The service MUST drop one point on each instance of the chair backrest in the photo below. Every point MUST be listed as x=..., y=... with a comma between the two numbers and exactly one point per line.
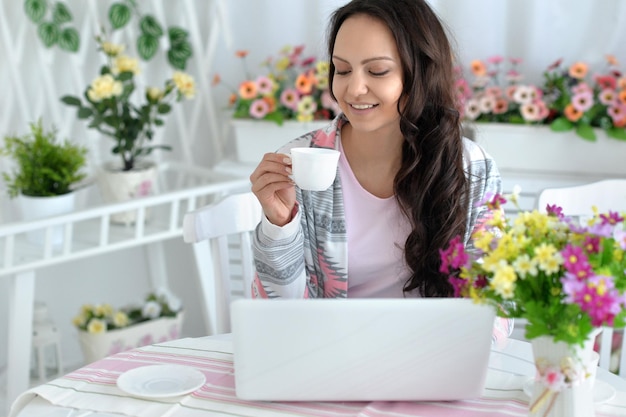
x=220, y=233
x=578, y=200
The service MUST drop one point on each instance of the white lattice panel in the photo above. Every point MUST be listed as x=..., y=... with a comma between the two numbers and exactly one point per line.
x=34, y=78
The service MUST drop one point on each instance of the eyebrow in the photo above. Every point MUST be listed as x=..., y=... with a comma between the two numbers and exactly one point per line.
x=365, y=61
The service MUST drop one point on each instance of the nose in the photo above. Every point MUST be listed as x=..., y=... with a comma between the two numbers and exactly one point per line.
x=357, y=84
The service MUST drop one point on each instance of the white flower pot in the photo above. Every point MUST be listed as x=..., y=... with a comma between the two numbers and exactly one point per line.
x=101, y=345
x=119, y=186
x=254, y=138
x=538, y=149
x=33, y=208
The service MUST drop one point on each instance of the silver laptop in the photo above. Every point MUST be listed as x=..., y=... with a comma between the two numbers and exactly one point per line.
x=360, y=349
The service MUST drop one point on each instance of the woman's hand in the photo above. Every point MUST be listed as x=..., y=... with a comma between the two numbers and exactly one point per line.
x=273, y=188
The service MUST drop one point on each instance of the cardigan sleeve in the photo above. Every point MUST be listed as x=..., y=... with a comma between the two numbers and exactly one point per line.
x=279, y=260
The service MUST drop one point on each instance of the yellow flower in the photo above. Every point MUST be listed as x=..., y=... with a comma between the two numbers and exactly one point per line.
x=548, y=258
x=503, y=281
x=112, y=49
x=86, y=309
x=282, y=64
x=120, y=319
x=154, y=94
x=125, y=63
x=497, y=219
x=524, y=266
x=303, y=117
x=79, y=321
x=185, y=84
x=104, y=87
x=97, y=326
x=307, y=106
x=482, y=240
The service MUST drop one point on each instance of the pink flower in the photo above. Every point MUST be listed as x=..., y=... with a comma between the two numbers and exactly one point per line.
x=264, y=85
x=583, y=101
x=290, y=98
x=259, y=108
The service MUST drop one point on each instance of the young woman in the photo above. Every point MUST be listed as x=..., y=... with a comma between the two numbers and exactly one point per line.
x=407, y=181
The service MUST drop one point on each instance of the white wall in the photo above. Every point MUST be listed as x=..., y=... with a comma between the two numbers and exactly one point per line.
x=33, y=79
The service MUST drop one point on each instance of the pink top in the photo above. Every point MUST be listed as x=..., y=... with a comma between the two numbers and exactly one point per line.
x=377, y=231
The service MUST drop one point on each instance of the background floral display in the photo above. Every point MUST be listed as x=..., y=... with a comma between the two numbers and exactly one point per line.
x=291, y=87
x=569, y=98
x=100, y=318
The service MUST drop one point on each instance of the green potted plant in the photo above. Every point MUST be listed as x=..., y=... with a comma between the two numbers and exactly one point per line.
x=46, y=172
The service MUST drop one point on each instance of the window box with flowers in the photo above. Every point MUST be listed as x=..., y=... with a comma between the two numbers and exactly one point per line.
x=572, y=123
x=291, y=97
x=564, y=276
x=105, y=331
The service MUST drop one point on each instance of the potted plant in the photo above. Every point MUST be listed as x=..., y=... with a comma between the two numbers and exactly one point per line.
x=104, y=330
x=45, y=175
x=564, y=276
x=110, y=104
x=291, y=96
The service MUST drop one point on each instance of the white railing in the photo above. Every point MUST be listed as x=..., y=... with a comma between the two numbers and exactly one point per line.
x=89, y=232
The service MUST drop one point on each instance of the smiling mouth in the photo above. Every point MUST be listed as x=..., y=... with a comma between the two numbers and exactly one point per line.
x=363, y=106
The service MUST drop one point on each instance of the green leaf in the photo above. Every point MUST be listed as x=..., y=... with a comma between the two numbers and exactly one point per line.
x=35, y=9
x=617, y=133
x=561, y=124
x=164, y=108
x=182, y=50
x=61, y=14
x=71, y=100
x=177, y=35
x=176, y=62
x=48, y=33
x=84, y=113
x=150, y=26
x=147, y=46
x=69, y=40
x=586, y=132
x=125, y=76
x=119, y=15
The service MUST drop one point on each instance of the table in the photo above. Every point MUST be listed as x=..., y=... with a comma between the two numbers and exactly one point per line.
x=91, y=390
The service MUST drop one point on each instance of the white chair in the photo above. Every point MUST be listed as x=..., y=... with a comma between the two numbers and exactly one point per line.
x=578, y=200
x=220, y=233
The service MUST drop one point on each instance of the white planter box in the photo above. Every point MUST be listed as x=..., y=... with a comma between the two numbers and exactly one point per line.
x=99, y=346
x=538, y=149
x=254, y=138
x=535, y=158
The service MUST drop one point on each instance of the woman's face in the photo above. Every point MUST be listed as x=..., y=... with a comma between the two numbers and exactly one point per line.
x=368, y=74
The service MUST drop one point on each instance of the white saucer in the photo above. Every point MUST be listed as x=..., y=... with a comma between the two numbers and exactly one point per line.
x=602, y=392
x=160, y=381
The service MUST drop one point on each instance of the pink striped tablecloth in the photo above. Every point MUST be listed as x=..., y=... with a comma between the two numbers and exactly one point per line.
x=93, y=388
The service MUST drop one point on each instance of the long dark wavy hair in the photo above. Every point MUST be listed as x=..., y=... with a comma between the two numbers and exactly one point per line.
x=430, y=187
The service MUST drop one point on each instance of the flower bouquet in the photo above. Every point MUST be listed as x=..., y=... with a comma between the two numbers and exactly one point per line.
x=292, y=87
x=565, y=276
x=104, y=330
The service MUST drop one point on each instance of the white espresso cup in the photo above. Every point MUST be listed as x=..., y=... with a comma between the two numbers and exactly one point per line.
x=314, y=169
